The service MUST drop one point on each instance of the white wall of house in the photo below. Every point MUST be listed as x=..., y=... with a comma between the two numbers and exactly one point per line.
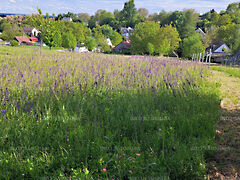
x=109, y=42
x=35, y=32
x=81, y=49
x=221, y=48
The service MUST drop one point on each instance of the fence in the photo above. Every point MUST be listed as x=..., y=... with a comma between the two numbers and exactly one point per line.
x=204, y=57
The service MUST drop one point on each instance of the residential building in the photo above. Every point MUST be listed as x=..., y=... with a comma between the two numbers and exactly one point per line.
x=31, y=31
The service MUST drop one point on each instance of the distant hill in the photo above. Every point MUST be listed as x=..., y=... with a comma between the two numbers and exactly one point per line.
x=7, y=14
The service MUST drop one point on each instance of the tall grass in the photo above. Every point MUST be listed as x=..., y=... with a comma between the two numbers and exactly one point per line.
x=99, y=116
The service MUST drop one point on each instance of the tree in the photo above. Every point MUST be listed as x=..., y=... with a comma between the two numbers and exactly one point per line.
x=128, y=15
x=171, y=35
x=69, y=40
x=143, y=13
x=90, y=43
x=54, y=16
x=10, y=30
x=108, y=32
x=230, y=34
x=192, y=45
x=150, y=48
x=14, y=43
x=50, y=33
x=92, y=22
x=84, y=17
x=188, y=26
x=57, y=39
x=101, y=40
x=233, y=10
x=224, y=20
x=165, y=39
x=116, y=38
x=144, y=33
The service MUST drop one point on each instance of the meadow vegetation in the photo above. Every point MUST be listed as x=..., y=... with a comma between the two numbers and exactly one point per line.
x=233, y=71
x=100, y=116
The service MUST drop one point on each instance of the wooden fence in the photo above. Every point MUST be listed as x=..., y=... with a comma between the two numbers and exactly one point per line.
x=204, y=57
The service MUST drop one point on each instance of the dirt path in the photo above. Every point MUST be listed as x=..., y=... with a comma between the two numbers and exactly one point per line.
x=225, y=164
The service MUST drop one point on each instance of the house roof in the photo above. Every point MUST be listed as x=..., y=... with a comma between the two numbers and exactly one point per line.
x=200, y=31
x=215, y=45
x=21, y=39
x=127, y=43
x=124, y=45
x=33, y=38
x=28, y=29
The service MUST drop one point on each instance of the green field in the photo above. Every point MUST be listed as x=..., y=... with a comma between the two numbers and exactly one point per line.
x=233, y=71
x=93, y=116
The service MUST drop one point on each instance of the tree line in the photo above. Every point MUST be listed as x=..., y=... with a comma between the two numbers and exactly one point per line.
x=162, y=33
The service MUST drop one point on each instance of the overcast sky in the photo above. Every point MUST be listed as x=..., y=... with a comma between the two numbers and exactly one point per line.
x=91, y=6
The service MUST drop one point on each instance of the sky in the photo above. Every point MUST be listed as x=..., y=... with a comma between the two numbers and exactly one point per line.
x=91, y=6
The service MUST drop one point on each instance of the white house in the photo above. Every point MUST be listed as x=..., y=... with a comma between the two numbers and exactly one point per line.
x=127, y=31
x=109, y=42
x=81, y=49
x=218, y=47
x=31, y=31
x=67, y=19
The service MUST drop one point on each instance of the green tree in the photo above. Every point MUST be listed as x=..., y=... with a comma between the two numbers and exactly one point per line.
x=230, y=34
x=116, y=38
x=128, y=15
x=192, y=45
x=165, y=39
x=50, y=33
x=150, y=48
x=92, y=22
x=171, y=35
x=57, y=39
x=69, y=40
x=224, y=20
x=14, y=43
x=233, y=10
x=54, y=16
x=36, y=20
x=143, y=13
x=84, y=17
x=188, y=26
x=146, y=32
x=10, y=30
x=101, y=41
x=90, y=43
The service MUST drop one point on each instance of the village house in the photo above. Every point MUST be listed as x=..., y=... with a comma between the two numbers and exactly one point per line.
x=67, y=19
x=220, y=51
x=23, y=40
x=33, y=39
x=126, y=32
x=124, y=46
x=109, y=43
x=31, y=31
x=218, y=47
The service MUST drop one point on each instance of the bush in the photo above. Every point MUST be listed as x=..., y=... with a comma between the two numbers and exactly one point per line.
x=14, y=43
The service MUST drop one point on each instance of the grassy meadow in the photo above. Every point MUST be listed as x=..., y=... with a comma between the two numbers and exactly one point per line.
x=95, y=116
x=233, y=71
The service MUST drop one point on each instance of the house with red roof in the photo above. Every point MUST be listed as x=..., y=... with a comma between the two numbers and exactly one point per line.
x=124, y=46
x=33, y=39
x=23, y=40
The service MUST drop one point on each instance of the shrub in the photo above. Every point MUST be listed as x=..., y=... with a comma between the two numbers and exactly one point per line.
x=14, y=43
